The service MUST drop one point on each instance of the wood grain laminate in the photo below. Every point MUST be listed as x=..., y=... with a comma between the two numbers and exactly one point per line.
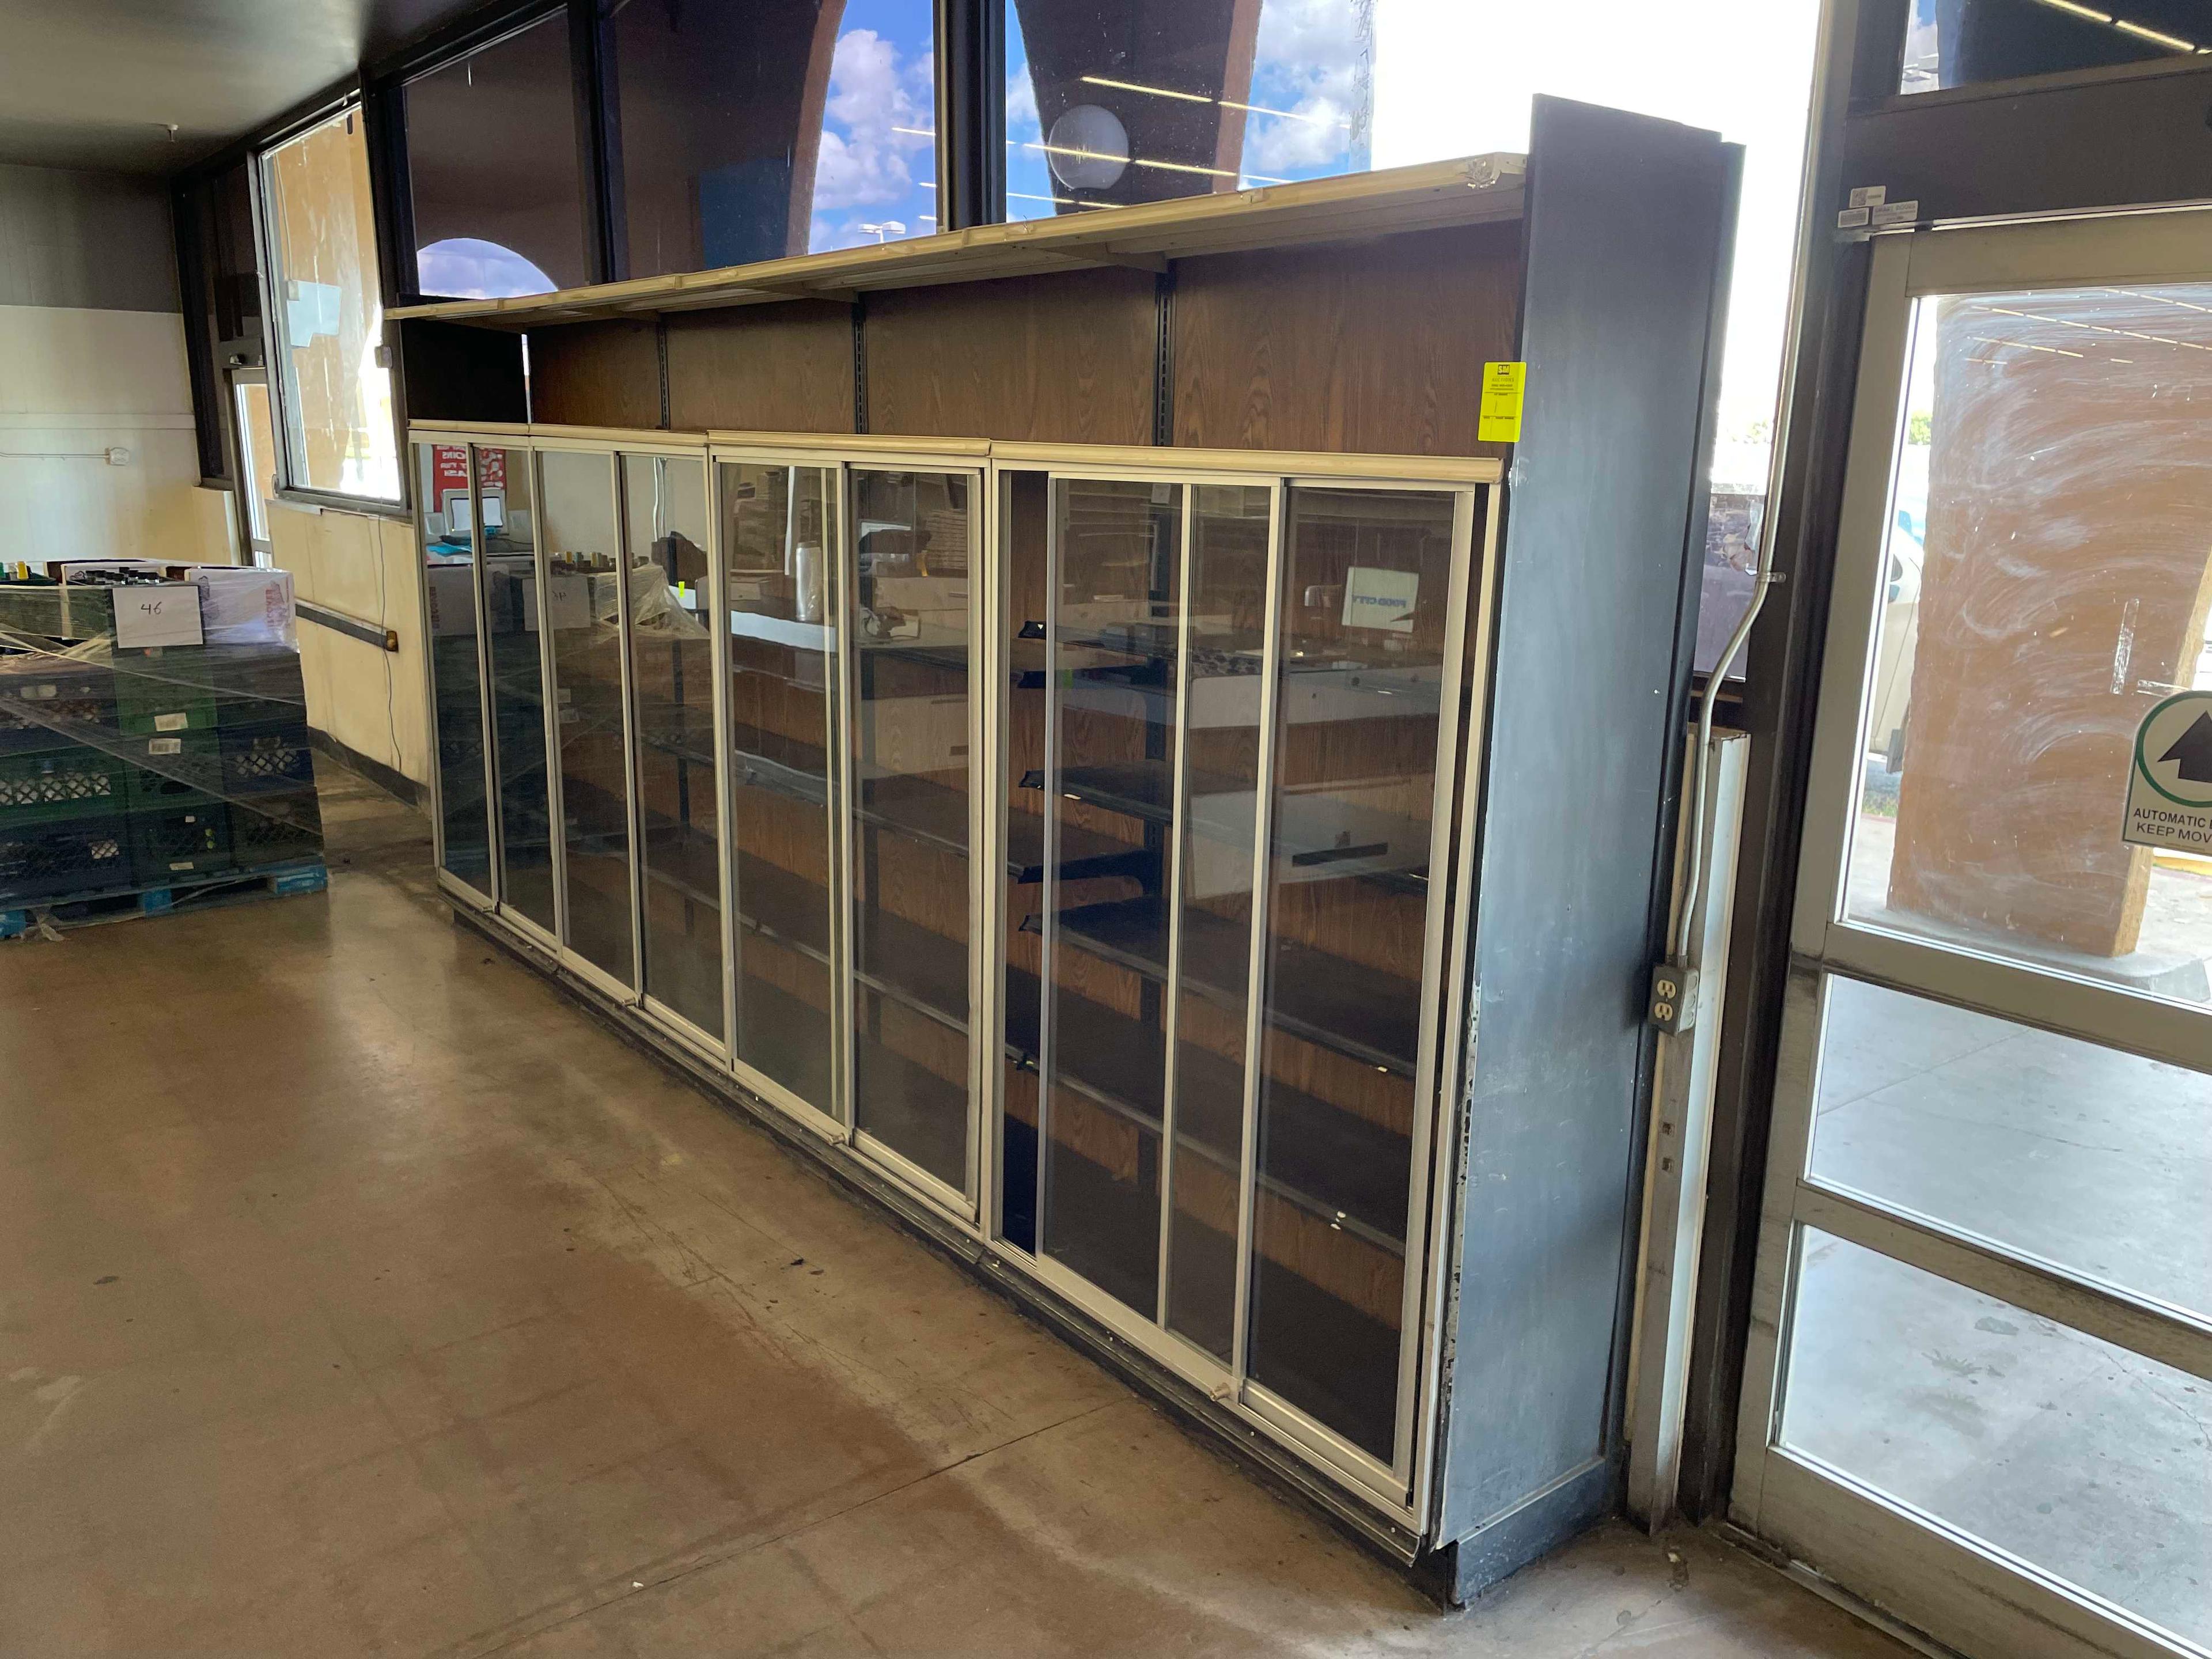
x=762, y=368
x=1375, y=346
x=595, y=374
x=1056, y=359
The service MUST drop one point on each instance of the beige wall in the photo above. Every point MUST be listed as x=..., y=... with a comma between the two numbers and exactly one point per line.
x=362, y=566
x=91, y=358
x=76, y=382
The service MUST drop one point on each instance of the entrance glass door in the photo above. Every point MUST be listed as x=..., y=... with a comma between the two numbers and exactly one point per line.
x=1982, y=1349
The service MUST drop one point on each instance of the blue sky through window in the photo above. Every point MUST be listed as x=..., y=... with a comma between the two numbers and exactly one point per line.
x=875, y=177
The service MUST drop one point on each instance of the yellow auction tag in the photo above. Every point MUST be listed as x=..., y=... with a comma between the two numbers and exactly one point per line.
x=1502, y=386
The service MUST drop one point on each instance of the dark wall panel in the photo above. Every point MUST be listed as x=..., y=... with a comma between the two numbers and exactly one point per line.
x=762, y=368
x=595, y=374
x=451, y=372
x=96, y=241
x=1057, y=359
x=1374, y=346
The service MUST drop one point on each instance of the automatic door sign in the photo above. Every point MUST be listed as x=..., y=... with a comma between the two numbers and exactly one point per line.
x=2170, y=780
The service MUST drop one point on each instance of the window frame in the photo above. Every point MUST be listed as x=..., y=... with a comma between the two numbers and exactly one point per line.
x=277, y=345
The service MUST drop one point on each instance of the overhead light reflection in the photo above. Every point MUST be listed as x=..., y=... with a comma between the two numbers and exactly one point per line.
x=1225, y=103
x=2153, y=35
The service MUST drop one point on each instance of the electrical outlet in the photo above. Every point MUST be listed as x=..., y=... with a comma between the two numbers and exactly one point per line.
x=1674, y=1007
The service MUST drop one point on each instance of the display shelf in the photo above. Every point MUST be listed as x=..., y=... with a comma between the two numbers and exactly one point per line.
x=1142, y=789
x=1329, y=1162
x=1360, y=1012
x=1473, y=190
x=682, y=857
x=909, y=966
x=1321, y=837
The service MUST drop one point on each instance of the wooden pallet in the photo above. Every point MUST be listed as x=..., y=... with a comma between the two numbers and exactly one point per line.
x=124, y=903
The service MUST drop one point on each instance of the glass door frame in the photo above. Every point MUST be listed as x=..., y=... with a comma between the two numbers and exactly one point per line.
x=844, y=455
x=1964, y=1591
x=518, y=442
x=674, y=447
x=1402, y=1488
x=570, y=959
x=465, y=436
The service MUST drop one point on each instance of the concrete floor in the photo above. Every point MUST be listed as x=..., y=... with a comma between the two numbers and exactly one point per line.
x=363, y=1297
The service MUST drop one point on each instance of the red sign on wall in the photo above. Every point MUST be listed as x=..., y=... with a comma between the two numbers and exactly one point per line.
x=449, y=472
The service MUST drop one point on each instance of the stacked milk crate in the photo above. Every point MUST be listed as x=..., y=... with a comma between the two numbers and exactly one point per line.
x=153, y=740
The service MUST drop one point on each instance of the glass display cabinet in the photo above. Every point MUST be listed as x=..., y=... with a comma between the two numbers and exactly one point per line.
x=737, y=729
x=1073, y=836
x=1230, y=738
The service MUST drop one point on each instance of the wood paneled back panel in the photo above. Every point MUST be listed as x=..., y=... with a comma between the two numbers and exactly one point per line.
x=762, y=368
x=1058, y=359
x=595, y=374
x=1375, y=347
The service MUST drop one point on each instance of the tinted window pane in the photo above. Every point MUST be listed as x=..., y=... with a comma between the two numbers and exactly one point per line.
x=1957, y=43
x=1113, y=101
x=337, y=398
x=756, y=132
x=492, y=161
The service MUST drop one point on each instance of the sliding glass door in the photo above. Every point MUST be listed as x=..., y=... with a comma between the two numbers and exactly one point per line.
x=584, y=637
x=667, y=580
x=908, y=623
x=1233, y=729
x=781, y=529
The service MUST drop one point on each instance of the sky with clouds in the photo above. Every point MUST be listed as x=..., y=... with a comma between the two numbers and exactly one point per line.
x=878, y=156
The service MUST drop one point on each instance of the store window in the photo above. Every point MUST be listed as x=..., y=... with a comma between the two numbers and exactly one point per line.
x=1960, y=43
x=334, y=384
x=494, y=170
x=1115, y=101
x=781, y=128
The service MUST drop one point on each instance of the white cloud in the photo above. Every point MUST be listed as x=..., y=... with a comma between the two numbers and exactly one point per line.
x=1277, y=144
x=1022, y=118
x=872, y=97
x=1312, y=60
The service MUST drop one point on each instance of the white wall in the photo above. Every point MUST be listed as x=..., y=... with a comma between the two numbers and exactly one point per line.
x=73, y=382
x=92, y=357
x=362, y=566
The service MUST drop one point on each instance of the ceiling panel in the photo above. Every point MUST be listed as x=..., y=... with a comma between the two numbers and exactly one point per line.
x=99, y=83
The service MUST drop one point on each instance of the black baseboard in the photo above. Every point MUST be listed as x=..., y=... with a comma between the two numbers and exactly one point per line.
x=398, y=785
